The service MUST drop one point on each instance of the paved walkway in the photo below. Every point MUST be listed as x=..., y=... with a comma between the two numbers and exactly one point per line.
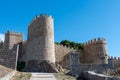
x=42, y=76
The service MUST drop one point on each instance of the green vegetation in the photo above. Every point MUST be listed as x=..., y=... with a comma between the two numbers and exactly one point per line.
x=74, y=45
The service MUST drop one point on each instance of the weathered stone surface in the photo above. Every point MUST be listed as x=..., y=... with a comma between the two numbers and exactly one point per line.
x=95, y=51
x=12, y=38
x=1, y=45
x=62, y=55
x=46, y=66
x=8, y=58
x=32, y=66
x=40, y=43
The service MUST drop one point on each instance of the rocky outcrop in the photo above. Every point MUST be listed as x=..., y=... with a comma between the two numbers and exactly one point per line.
x=46, y=66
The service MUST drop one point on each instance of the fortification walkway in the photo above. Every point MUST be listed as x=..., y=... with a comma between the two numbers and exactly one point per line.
x=42, y=76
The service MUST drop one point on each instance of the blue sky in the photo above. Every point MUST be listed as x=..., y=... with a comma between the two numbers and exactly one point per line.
x=75, y=20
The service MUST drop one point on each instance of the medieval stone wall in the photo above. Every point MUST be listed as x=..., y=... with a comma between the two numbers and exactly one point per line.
x=62, y=55
x=1, y=45
x=22, y=51
x=78, y=68
x=8, y=57
x=116, y=61
x=40, y=42
x=12, y=38
x=94, y=51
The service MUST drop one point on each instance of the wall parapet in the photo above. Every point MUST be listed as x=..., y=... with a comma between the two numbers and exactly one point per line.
x=65, y=47
x=95, y=41
x=113, y=58
x=37, y=17
x=14, y=33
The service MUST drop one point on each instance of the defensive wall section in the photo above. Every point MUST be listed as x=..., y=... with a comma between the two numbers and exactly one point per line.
x=116, y=61
x=40, y=42
x=94, y=51
x=40, y=47
x=22, y=51
x=62, y=55
x=8, y=58
x=12, y=38
x=1, y=45
x=78, y=68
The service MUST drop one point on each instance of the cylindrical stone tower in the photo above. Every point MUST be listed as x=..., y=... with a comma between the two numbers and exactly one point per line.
x=101, y=51
x=40, y=43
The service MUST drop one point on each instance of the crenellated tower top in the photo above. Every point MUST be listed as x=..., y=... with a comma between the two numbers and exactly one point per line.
x=12, y=38
x=41, y=16
x=14, y=33
x=95, y=41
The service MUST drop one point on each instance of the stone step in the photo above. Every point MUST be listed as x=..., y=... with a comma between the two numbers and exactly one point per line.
x=42, y=76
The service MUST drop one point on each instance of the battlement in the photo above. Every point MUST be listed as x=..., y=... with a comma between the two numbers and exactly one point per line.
x=65, y=47
x=14, y=33
x=113, y=58
x=95, y=41
x=41, y=16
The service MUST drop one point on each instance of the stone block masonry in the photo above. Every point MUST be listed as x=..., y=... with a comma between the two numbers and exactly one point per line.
x=1, y=45
x=8, y=58
x=40, y=47
x=12, y=38
x=40, y=42
x=62, y=55
x=94, y=51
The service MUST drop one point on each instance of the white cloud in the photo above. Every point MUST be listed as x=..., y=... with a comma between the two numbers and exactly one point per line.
x=2, y=37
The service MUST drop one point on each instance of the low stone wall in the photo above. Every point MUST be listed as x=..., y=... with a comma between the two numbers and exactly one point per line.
x=79, y=69
x=89, y=75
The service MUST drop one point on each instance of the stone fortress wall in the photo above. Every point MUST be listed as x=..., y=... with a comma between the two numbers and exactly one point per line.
x=116, y=60
x=12, y=38
x=1, y=45
x=62, y=55
x=8, y=52
x=8, y=57
x=94, y=51
x=40, y=42
x=40, y=46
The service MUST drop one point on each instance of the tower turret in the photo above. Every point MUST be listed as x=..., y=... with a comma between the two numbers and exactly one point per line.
x=40, y=42
x=95, y=51
x=12, y=38
x=101, y=51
